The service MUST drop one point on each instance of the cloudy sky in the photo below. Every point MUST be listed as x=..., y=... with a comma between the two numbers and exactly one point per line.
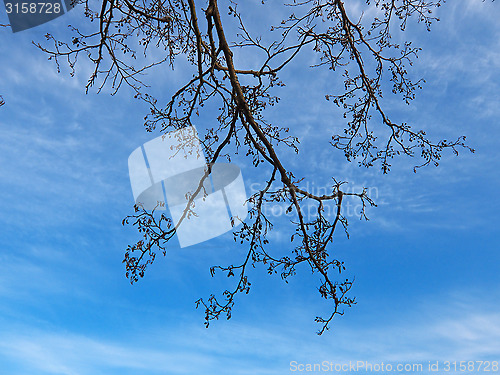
x=425, y=265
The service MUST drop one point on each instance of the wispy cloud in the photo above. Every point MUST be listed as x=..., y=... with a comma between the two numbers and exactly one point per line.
x=452, y=327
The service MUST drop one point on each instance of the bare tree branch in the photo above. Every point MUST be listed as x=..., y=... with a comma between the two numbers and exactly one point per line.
x=360, y=52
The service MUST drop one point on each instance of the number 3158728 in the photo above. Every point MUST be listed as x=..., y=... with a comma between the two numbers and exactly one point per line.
x=25, y=8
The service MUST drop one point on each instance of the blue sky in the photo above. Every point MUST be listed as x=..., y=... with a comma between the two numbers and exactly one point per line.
x=426, y=264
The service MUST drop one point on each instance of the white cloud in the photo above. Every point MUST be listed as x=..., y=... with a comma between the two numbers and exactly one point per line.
x=446, y=327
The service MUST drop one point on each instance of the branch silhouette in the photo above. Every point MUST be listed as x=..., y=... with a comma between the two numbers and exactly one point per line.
x=360, y=51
